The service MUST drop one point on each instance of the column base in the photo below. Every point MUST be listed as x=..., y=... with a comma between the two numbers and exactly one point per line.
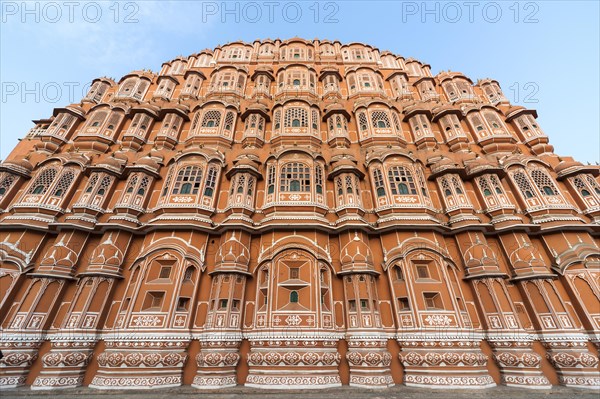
x=449, y=364
x=294, y=364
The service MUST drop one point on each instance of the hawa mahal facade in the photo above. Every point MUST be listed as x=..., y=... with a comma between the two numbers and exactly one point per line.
x=297, y=214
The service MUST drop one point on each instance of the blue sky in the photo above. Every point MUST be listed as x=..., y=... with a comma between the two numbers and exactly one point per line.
x=545, y=54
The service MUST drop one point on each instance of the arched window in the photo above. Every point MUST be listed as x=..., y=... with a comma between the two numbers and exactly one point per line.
x=523, y=184
x=211, y=118
x=296, y=117
x=211, y=181
x=63, y=183
x=271, y=181
x=319, y=179
x=378, y=180
x=380, y=119
x=586, y=185
x=277, y=119
x=399, y=273
x=43, y=181
x=132, y=184
x=188, y=179
x=295, y=177
x=362, y=121
x=544, y=182
x=189, y=274
x=186, y=188
x=229, y=121
x=401, y=181
x=294, y=297
x=6, y=180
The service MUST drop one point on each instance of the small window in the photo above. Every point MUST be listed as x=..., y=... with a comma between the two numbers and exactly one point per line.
x=186, y=188
x=153, y=300
x=271, y=189
x=364, y=304
x=487, y=192
x=223, y=304
x=422, y=271
x=352, y=305
x=380, y=192
x=296, y=82
x=294, y=297
x=432, y=300
x=183, y=304
x=584, y=192
x=294, y=273
x=296, y=123
x=189, y=273
x=165, y=272
x=548, y=190
x=403, y=304
x=399, y=274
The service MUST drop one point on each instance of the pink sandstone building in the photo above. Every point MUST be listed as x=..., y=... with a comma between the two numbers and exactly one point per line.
x=300, y=214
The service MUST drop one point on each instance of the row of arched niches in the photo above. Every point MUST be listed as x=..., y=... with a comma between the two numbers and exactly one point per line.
x=296, y=214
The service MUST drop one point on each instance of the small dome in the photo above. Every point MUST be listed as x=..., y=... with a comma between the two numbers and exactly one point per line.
x=20, y=164
x=567, y=165
x=106, y=254
x=356, y=252
x=148, y=161
x=527, y=255
x=480, y=254
x=233, y=252
x=111, y=163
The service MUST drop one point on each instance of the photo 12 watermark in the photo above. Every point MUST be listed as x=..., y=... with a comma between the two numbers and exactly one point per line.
x=470, y=12
x=43, y=92
x=270, y=11
x=54, y=12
